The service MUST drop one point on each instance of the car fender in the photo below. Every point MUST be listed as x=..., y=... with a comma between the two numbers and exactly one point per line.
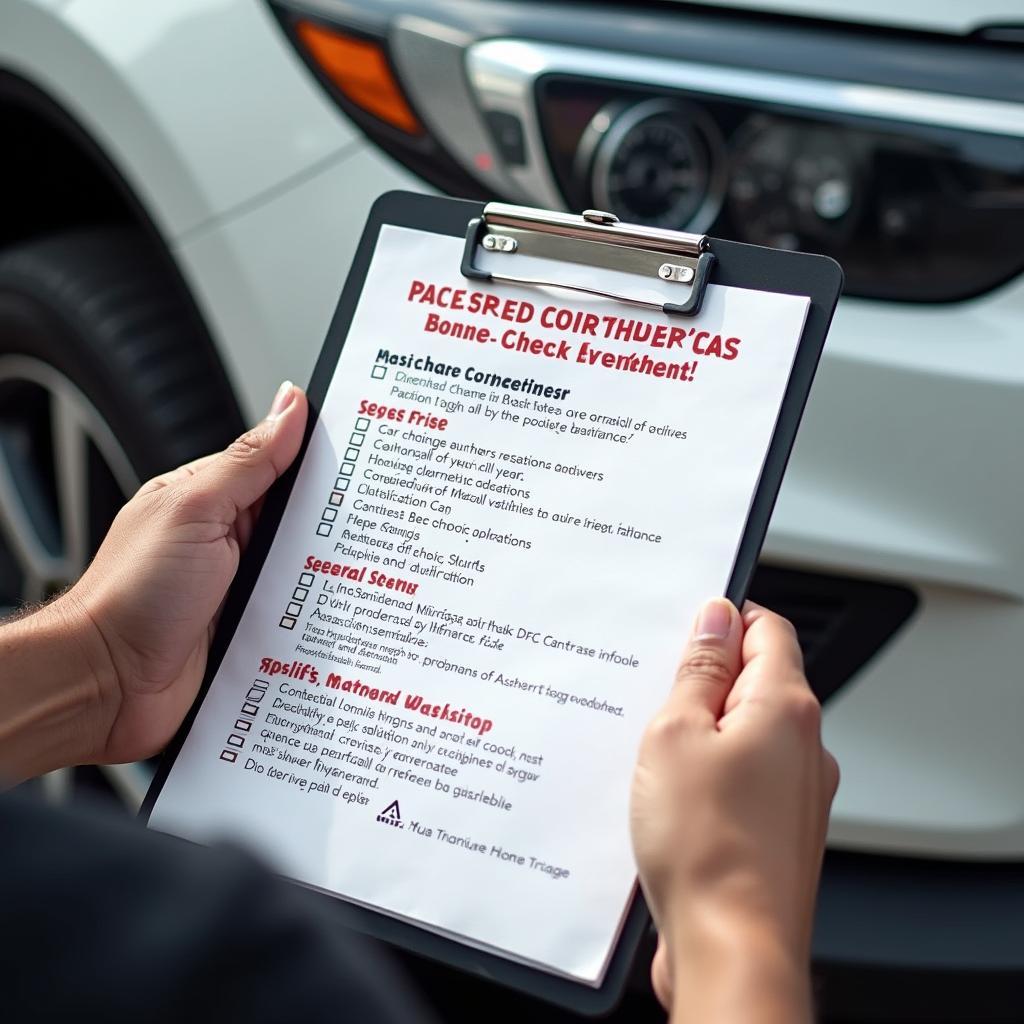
x=243, y=119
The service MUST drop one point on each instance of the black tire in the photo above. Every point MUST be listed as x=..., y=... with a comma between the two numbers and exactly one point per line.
x=100, y=306
x=101, y=319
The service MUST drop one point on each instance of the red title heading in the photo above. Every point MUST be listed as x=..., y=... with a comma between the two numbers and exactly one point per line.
x=682, y=342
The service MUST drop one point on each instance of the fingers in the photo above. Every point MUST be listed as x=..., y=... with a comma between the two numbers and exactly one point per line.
x=831, y=769
x=772, y=663
x=770, y=637
x=771, y=654
x=711, y=661
x=244, y=471
x=661, y=975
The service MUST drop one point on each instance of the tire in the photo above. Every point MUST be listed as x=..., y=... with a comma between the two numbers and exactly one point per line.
x=106, y=378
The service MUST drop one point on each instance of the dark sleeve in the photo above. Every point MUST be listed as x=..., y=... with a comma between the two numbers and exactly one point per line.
x=103, y=920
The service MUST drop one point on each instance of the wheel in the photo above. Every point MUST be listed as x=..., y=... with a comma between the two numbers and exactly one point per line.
x=106, y=378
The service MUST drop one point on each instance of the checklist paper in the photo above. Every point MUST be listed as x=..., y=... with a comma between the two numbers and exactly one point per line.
x=511, y=507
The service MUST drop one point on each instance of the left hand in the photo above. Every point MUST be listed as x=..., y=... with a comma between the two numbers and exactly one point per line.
x=147, y=605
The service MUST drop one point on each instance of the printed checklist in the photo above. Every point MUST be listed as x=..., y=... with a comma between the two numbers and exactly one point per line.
x=346, y=471
x=243, y=725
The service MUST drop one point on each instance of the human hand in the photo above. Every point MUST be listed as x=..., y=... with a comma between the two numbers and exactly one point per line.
x=146, y=607
x=729, y=812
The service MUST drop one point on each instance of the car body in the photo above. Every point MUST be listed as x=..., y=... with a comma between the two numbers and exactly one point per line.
x=896, y=543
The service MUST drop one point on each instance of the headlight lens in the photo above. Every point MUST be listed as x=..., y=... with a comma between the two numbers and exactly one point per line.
x=913, y=213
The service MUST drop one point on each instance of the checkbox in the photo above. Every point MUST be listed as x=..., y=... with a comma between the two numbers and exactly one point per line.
x=323, y=529
x=229, y=755
x=362, y=423
x=351, y=454
x=294, y=608
x=379, y=372
x=356, y=438
x=347, y=468
x=306, y=579
x=261, y=684
x=242, y=725
x=287, y=622
x=341, y=483
x=255, y=694
x=249, y=709
x=336, y=497
x=330, y=514
x=236, y=741
x=300, y=593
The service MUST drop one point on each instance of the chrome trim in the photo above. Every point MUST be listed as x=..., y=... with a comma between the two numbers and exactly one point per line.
x=503, y=72
x=502, y=80
x=430, y=59
x=523, y=59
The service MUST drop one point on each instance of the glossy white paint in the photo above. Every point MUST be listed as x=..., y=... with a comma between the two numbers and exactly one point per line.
x=198, y=102
x=268, y=279
x=907, y=467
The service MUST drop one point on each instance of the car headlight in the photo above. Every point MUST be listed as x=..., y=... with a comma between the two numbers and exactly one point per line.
x=912, y=213
x=916, y=189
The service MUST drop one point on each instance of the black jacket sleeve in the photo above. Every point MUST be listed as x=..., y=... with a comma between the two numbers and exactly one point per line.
x=103, y=920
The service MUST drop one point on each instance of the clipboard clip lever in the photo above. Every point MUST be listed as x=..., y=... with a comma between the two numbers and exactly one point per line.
x=595, y=239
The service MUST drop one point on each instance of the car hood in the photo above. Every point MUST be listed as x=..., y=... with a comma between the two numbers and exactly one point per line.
x=949, y=16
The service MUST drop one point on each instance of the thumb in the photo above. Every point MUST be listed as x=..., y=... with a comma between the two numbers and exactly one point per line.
x=711, y=661
x=244, y=471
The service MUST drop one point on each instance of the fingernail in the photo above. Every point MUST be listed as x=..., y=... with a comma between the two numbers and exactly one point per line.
x=714, y=620
x=282, y=400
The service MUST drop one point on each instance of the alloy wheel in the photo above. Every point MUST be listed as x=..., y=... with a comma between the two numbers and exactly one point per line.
x=63, y=476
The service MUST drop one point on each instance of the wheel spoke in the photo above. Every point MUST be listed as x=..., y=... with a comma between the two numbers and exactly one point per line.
x=70, y=452
x=57, y=786
x=38, y=565
x=129, y=781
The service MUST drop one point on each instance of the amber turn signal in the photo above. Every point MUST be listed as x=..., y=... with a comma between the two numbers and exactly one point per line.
x=361, y=71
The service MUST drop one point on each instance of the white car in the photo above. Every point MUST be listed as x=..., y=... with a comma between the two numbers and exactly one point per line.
x=184, y=183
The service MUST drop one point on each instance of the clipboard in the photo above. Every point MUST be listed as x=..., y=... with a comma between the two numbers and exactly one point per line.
x=683, y=265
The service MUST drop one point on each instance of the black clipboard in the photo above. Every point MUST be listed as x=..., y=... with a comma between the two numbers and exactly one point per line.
x=677, y=258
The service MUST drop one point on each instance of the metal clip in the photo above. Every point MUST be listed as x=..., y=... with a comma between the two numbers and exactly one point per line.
x=594, y=239
x=675, y=272
x=500, y=243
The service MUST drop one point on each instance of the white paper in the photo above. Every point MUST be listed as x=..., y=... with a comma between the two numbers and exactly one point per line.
x=527, y=855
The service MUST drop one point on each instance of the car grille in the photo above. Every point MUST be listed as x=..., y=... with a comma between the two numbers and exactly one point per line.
x=842, y=622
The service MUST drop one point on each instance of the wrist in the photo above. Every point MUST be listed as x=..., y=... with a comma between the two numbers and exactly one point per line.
x=58, y=690
x=732, y=965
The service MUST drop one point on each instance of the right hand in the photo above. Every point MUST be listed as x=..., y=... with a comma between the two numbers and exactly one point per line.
x=729, y=811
